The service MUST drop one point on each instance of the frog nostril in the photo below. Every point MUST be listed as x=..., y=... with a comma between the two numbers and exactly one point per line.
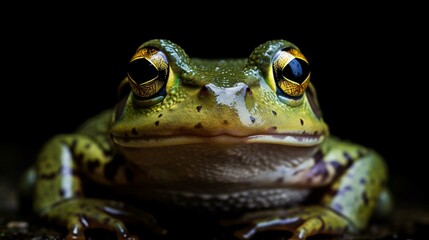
x=249, y=91
x=204, y=91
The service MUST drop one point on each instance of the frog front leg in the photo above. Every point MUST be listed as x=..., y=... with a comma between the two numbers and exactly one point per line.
x=59, y=189
x=352, y=180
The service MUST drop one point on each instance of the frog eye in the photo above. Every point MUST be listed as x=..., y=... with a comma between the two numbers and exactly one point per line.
x=291, y=73
x=148, y=74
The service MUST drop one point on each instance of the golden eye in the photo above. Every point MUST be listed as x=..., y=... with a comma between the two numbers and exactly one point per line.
x=291, y=72
x=148, y=73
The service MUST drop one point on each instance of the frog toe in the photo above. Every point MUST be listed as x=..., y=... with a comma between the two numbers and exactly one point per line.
x=301, y=222
x=79, y=215
x=133, y=215
x=96, y=219
x=323, y=221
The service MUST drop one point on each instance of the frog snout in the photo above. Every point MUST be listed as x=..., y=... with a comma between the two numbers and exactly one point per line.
x=226, y=95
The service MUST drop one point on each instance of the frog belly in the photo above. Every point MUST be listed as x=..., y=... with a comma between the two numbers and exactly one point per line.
x=229, y=202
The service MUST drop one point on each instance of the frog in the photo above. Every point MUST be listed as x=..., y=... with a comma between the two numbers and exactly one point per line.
x=235, y=135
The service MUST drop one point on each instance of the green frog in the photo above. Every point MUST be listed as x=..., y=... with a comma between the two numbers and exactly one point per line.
x=243, y=136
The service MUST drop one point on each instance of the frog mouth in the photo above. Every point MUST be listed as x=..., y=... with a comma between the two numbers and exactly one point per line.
x=303, y=140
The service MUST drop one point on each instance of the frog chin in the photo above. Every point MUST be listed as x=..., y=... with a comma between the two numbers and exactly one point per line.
x=290, y=139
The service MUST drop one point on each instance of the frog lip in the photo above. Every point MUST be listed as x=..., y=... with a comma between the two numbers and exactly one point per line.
x=290, y=139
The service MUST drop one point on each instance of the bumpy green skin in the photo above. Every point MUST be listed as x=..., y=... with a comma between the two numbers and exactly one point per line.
x=350, y=178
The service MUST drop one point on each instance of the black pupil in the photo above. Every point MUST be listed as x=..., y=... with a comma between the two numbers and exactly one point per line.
x=297, y=70
x=141, y=70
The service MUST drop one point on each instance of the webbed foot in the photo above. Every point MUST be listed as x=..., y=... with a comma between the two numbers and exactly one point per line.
x=302, y=222
x=80, y=214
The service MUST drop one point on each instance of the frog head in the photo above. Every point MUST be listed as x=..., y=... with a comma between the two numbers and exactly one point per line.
x=266, y=98
x=171, y=102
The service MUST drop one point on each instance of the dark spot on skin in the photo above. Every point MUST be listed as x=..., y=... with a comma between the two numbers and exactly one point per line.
x=345, y=189
x=156, y=123
x=198, y=125
x=362, y=181
x=160, y=115
x=302, y=121
x=112, y=167
x=199, y=108
x=340, y=169
x=129, y=174
x=88, y=145
x=225, y=122
x=273, y=128
x=62, y=192
x=315, y=132
x=92, y=165
x=274, y=112
x=252, y=118
x=249, y=91
x=365, y=198
x=337, y=166
x=338, y=207
x=279, y=180
x=134, y=131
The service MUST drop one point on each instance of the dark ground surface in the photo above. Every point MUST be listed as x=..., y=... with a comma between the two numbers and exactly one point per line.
x=408, y=223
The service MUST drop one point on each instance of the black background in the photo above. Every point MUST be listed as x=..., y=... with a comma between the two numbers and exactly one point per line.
x=62, y=65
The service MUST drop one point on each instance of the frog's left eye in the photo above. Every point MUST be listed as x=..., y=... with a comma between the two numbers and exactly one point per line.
x=148, y=75
x=291, y=73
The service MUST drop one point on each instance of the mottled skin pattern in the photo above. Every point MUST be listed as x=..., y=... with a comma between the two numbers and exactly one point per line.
x=218, y=133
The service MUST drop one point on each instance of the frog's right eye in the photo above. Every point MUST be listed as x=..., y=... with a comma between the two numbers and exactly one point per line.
x=148, y=74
